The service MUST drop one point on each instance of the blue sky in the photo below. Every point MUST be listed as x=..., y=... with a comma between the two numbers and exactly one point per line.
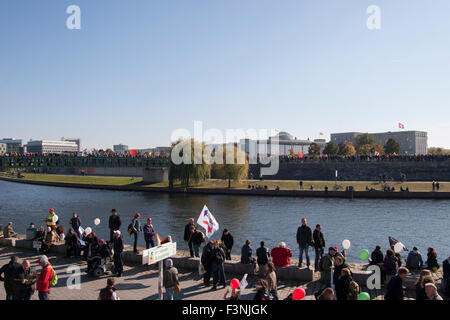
x=139, y=69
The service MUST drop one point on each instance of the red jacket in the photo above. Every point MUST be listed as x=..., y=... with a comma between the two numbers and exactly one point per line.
x=281, y=256
x=43, y=282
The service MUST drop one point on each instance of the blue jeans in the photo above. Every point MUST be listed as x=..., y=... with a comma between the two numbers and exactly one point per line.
x=218, y=274
x=319, y=255
x=300, y=259
x=197, y=250
x=168, y=295
x=44, y=295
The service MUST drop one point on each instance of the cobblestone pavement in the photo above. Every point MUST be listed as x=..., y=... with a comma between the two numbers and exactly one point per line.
x=141, y=282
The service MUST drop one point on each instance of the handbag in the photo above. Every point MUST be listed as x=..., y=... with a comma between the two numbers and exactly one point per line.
x=176, y=288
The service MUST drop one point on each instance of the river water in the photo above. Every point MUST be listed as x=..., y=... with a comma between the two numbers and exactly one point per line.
x=365, y=222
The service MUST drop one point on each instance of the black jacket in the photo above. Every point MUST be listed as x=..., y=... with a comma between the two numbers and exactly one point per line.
x=262, y=255
x=72, y=240
x=187, y=232
x=197, y=238
x=319, y=240
x=342, y=287
x=218, y=256
x=118, y=245
x=206, y=258
x=376, y=257
x=394, y=289
x=20, y=289
x=228, y=241
x=304, y=236
x=115, y=222
x=75, y=223
x=246, y=254
x=10, y=269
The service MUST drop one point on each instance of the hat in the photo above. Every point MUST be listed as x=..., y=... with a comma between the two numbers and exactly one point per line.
x=149, y=219
x=117, y=231
x=43, y=260
x=332, y=249
x=336, y=248
x=51, y=210
x=101, y=241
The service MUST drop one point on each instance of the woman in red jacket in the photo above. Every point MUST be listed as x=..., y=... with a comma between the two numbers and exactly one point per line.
x=281, y=255
x=43, y=282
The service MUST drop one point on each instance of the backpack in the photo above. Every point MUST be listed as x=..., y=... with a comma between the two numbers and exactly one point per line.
x=130, y=228
x=54, y=278
x=354, y=290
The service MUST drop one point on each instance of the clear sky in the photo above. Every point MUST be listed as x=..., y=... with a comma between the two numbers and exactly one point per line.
x=138, y=69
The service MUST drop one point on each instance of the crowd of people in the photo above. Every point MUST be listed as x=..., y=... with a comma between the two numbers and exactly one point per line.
x=336, y=275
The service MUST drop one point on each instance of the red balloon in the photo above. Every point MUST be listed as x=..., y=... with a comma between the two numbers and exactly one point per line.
x=298, y=294
x=234, y=284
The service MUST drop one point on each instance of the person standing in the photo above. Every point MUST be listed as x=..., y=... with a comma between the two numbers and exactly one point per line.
x=432, y=263
x=228, y=242
x=218, y=257
x=319, y=245
x=9, y=270
x=262, y=258
x=114, y=223
x=377, y=256
x=246, y=252
x=187, y=235
x=196, y=239
x=135, y=228
x=304, y=240
x=390, y=265
x=109, y=292
x=206, y=260
x=149, y=234
x=46, y=275
x=327, y=265
x=118, y=249
x=446, y=275
x=50, y=218
x=24, y=282
x=75, y=222
x=395, y=290
x=170, y=280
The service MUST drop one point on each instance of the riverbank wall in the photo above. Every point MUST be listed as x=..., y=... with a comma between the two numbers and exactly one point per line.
x=246, y=192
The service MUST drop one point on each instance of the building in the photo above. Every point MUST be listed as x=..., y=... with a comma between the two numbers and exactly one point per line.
x=2, y=148
x=120, y=148
x=13, y=145
x=76, y=140
x=49, y=146
x=157, y=151
x=411, y=142
x=286, y=144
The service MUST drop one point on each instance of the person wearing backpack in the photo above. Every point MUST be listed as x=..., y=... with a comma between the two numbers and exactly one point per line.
x=319, y=245
x=47, y=278
x=133, y=229
x=346, y=287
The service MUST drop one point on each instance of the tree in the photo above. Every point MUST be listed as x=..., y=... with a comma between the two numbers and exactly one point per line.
x=346, y=149
x=363, y=139
x=437, y=151
x=237, y=170
x=331, y=149
x=392, y=146
x=371, y=149
x=314, y=150
x=187, y=163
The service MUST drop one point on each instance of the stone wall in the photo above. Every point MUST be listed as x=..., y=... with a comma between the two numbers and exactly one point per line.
x=360, y=171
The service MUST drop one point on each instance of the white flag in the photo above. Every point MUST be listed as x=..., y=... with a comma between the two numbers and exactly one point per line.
x=243, y=284
x=207, y=221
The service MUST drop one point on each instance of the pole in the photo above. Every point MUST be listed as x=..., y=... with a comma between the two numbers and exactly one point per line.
x=160, y=280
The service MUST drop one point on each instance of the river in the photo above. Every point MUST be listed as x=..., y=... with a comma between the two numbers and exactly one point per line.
x=365, y=222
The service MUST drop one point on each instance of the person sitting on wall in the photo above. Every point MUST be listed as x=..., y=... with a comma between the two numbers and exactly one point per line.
x=50, y=239
x=8, y=231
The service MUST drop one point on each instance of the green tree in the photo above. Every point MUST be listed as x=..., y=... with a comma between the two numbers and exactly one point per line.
x=331, y=149
x=437, y=151
x=346, y=149
x=392, y=146
x=314, y=150
x=236, y=171
x=371, y=149
x=363, y=139
x=189, y=165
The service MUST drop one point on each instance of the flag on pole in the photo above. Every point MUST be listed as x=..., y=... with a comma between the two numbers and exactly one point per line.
x=208, y=222
x=243, y=284
x=401, y=125
x=377, y=153
x=158, y=240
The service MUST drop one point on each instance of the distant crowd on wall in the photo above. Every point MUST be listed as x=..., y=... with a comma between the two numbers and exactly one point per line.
x=362, y=158
x=93, y=154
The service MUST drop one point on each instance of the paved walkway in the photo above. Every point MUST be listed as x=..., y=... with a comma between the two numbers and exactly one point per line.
x=141, y=282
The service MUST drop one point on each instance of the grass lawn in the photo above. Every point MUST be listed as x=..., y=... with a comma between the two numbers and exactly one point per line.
x=216, y=183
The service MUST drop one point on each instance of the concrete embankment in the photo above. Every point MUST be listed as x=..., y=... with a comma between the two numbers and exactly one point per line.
x=246, y=192
x=234, y=267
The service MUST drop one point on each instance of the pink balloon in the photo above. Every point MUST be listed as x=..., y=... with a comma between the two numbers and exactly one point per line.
x=234, y=284
x=298, y=294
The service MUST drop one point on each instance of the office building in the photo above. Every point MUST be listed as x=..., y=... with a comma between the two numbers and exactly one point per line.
x=411, y=142
x=2, y=148
x=76, y=140
x=13, y=145
x=120, y=148
x=48, y=146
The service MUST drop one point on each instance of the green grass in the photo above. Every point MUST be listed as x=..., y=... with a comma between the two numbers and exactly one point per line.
x=216, y=183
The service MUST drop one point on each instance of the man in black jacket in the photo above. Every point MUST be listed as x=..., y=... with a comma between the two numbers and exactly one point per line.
x=75, y=222
x=304, y=240
x=10, y=271
x=228, y=241
x=118, y=248
x=395, y=289
x=24, y=282
x=262, y=256
x=114, y=223
x=319, y=245
x=377, y=256
x=246, y=252
x=206, y=261
x=187, y=235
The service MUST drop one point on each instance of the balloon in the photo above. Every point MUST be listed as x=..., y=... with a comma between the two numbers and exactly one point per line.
x=346, y=244
x=97, y=221
x=364, y=254
x=363, y=296
x=298, y=294
x=55, y=218
x=88, y=230
x=234, y=284
x=398, y=247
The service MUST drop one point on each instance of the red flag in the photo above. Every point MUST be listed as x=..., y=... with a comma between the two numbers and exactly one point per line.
x=401, y=125
x=133, y=152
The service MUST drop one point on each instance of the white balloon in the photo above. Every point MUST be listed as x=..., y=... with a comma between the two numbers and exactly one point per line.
x=88, y=230
x=97, y=221
x=55, y=218
x=346, y=244
x=398, y=247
